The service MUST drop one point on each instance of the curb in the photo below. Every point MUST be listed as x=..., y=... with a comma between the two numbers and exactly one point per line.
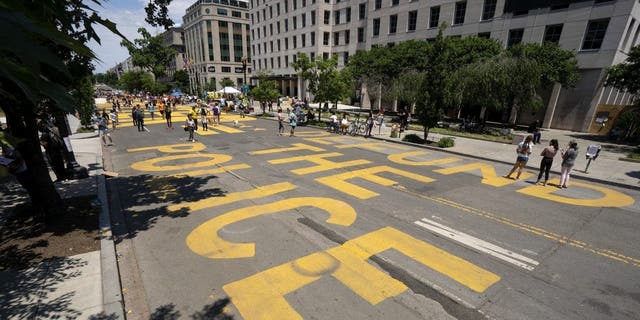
x=112, y=301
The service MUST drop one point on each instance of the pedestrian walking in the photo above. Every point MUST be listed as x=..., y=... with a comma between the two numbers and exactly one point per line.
x=280, y=117
x=204, y=113
x=216, y=113
x=194, y=113
x=134, y=116
x=152, y=109
x=103, y=129
x=167, y=116
x=369, y=124
x=140, y=118
x=568, y=160
x=292, y=122
x=523, y=151
x=114, y=118
x=190, y=127
x=547, y=154
x=161, y=108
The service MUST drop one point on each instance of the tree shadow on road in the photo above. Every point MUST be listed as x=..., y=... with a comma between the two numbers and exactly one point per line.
x=142, y=200
x=213, y=311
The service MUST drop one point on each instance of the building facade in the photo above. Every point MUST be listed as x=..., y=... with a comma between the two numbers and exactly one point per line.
x=601, y=32
x=174, y=38
x=216, y=40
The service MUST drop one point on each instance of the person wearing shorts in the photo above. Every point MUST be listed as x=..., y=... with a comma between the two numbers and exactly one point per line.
x=523, y=151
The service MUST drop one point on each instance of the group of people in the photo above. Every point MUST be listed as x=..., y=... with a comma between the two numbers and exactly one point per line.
x=568, y=155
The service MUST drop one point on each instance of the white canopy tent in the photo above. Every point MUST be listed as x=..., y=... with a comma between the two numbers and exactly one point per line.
x=229, y=90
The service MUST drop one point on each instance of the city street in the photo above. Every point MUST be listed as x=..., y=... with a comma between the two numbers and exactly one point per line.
x=321, y=226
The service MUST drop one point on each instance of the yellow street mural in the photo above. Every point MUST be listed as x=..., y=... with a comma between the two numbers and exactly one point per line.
x=294, y=147
x=204, y=240
x=151, y=164
x=339, y=181
x=400, y=158
x=610, y=198
x=488, y=172
x=256, y=193
x=261, y=296
x=322, y=164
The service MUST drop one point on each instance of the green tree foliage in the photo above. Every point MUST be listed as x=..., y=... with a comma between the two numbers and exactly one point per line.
x=83, y=96
x=136, y=81
x=150, y=53
x=226, y=82
x=556, y=65
x=267, y=90
x=43, y=58
x=109, y=78
x=626, y=76
x=325, y=82
x=181, y=80
x=158, y=13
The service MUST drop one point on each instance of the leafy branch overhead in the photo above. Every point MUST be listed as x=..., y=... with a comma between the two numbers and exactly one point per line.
x=150, y=53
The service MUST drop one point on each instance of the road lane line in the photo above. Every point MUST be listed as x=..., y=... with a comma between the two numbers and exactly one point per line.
x=478, y=244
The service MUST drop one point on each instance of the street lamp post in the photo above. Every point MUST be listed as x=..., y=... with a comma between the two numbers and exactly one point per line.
x=244, y=70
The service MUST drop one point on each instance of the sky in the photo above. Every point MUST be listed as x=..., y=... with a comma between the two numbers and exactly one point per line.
x=129, y=16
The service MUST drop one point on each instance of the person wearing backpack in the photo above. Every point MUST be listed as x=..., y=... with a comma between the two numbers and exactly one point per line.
x=523, y=151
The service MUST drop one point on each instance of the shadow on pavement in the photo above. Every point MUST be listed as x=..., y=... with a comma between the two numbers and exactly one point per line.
x=143, y=200
x=31, y=293
x=208, y=312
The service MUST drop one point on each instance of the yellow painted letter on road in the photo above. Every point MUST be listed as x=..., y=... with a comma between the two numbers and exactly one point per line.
x=173, y=148
x=295, y=147
x=204, y=240
x=400, y=158
x=610, y=198
x=488, y=172
x=215, y=201
x=150, y=165
x=261, y=296
x=374, y=146
x=339, y=181
x=322, y=163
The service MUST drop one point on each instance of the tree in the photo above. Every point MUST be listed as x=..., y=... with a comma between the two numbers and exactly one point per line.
x=108, y=78
x=158, y=13
x=267, y=90
x=150, y=53
x=181, y=80
x=556, y=65
x=626, y=76
x=83, y=96
x=325, y=82
x=226, y=82
x=136, y=81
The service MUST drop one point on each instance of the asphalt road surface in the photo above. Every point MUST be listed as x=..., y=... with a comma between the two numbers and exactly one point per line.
x=246, y=224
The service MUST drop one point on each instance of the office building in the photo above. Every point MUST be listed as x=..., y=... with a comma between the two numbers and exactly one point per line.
x=174, y=38
x=601, y=32
x=216, y=40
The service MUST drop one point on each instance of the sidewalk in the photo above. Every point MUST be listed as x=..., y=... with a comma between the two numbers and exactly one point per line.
x=76, y=287
x=606, y=169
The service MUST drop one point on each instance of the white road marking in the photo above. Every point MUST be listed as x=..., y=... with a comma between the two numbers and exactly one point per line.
x=478, y=244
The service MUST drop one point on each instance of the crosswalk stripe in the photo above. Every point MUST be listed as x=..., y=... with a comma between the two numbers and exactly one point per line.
x=478, y=244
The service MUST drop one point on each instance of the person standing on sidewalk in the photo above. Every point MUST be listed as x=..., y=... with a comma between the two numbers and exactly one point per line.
x=369, y=124
x=523, y=150
x=547, y=160
x=568, y=160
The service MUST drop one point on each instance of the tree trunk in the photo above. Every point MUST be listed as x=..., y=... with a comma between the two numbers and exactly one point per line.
x=426, y=133
x=22, y=124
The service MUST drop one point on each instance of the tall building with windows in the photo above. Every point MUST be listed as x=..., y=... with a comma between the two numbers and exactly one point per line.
x=601, y=32
x=174, y=38
x=216, y=40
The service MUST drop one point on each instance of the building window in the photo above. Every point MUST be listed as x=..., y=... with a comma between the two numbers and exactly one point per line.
x=336, y=16
x=515, y=37
x=223, y=37
x=223, y=12
x=236, y=14
x=489, y=9
x=313, y=38
x=277, y=27
x=327, y=17
x=376, y=27
x=393, y=23
x=286, y=61
x=395, y=2
x=336, y=38
x=461, y=10
x=378, y=4
x=485, y=35
x=313, y=17
x=412, y=20
x=286, y=43
x=347, y=35
x=278, y=9
x=295, y=4
x=286, y=6
x=360, y=35
x=325, y=38
x=286, y=25
x=270, y=29
x=278, y=45
x=325, y=55
x=279, y=62
x=362, y=11
x=313, y=56
x=303, y=38
x=345, y=58
x=226, y=69
x=295, y=22
x=294, y=40
x=596, y=29
x=434, y=17
x=303, y=20
x=552, y=33
x=348, y=14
